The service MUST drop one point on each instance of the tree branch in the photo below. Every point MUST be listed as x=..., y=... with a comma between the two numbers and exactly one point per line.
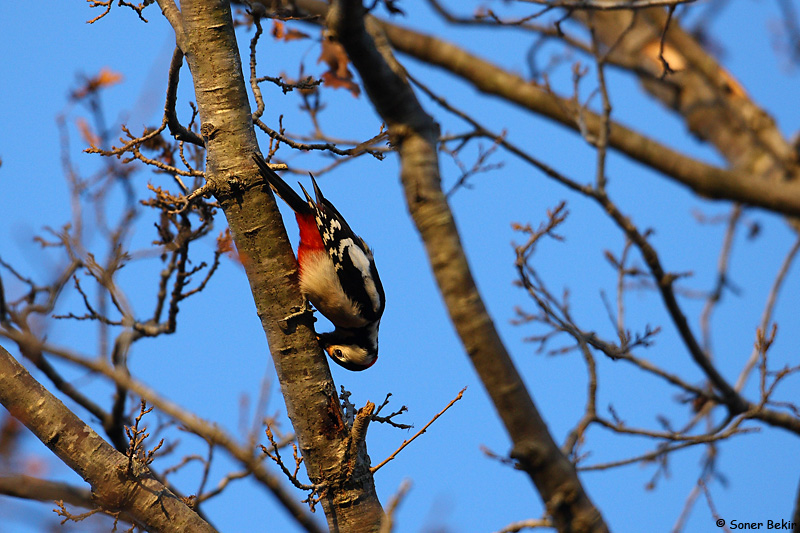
x=80, y=448
x=209, y=44
x=739, y=184
x=31, y=488
x=415, y=135
x=702, y=178
x=209, y=432
x=175, y=127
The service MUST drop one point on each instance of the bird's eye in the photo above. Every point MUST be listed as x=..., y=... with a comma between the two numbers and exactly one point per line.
x=338, y=353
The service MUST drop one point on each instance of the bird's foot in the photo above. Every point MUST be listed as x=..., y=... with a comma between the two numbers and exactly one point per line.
x=297, y=314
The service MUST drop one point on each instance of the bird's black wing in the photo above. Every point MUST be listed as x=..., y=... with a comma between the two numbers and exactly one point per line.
x=352, y=258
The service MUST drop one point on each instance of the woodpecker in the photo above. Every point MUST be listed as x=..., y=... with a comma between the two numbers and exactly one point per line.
x=337, y=274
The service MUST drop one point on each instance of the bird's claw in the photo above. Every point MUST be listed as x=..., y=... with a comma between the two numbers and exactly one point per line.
x=298, y=312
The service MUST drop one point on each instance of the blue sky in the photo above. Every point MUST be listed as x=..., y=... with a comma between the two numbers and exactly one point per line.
x=219, y=353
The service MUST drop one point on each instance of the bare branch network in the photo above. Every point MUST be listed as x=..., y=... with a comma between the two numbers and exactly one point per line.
x=312, y=453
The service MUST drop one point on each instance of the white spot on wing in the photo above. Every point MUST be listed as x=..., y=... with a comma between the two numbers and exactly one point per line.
x=328, y=227
x=362, y=263
x=373, y=334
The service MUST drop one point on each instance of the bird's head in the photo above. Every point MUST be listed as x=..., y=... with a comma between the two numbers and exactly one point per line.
x=351, y=357
x=353, y=349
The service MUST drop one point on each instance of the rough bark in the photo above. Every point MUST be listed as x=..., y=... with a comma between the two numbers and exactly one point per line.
x=704, y=179
x=714, y=106
x=204, y=31
x=142, y=498
x=31, y=488
x=736, y=184
x=415, y=135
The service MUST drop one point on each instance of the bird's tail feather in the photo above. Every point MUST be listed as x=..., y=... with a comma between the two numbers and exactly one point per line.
x=281, y=188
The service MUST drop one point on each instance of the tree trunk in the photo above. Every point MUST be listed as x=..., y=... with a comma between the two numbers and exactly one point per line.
x=204, y=31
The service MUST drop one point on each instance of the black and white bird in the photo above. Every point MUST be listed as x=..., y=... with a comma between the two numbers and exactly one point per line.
x=337, y=274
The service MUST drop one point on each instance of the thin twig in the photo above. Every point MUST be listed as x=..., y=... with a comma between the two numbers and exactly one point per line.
x=418, y=433
x=175, y=127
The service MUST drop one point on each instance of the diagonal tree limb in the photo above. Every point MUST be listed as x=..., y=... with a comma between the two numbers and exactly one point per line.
x=415, y=135
x=735, y=184
x=704, y=179
x=79, y=447
x=206, y=36
x=32, y=488
x=207, y=431
x=712, y=103
x=177, y=129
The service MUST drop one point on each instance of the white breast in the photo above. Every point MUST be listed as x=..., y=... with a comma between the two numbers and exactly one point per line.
x=321, y=285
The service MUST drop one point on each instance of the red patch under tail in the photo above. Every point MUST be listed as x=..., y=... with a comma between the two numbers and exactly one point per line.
x=310, y=239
